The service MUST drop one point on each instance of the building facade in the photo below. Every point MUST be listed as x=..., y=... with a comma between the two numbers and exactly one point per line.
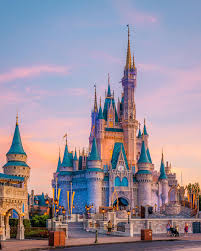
x=118, y=171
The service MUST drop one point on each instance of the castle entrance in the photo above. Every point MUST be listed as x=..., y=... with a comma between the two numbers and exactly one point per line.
x=121, y=203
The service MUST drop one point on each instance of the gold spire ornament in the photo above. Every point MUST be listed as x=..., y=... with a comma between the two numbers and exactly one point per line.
x=95, y=100
x=162, y=156
x=100, y=101
x=133, y=62
x=65, y=136
x=128, y=58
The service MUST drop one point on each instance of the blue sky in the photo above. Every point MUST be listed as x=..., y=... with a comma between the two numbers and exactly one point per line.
x=52, y=53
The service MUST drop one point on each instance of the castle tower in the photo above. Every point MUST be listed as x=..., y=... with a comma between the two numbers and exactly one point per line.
x=100, y=130
x=16, y=164
x=129, y=122
x=94, y=176
x=163, y=181
x=16, y=158
x=144, y=178
x=75, y=162
x=94, y=116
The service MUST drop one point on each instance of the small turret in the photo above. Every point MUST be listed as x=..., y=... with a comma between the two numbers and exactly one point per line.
x=75, y=162
x=67, y=163
x=16, y=157
x=148, y=155
x=139, y=133
x=162, y=170
x=59, y=163
x=163, y=182
x=144, y=178
x=94, y=155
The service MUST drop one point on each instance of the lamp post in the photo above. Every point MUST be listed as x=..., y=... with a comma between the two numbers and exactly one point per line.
x=88, y=207
x=128, y=212
x=103, y=212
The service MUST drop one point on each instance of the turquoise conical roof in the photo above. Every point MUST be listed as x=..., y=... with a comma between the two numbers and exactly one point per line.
x=143, y=155
x=145, y=130
x=16, y=147
x=59, y=164
x=75, y=156
x=139, y=134
x=108, y=91
x=94, y=155
x=148, y=155
x=100, y=113
x=66, y=159
x=162, y=170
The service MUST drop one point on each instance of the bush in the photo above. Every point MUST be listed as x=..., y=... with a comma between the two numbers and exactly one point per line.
x=37, y=233
x=39, y=220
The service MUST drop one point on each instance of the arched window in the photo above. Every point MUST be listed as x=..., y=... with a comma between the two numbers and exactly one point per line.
x=117, y=182
x=124, y=182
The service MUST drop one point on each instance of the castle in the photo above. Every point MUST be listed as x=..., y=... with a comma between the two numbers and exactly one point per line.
x=118, y=171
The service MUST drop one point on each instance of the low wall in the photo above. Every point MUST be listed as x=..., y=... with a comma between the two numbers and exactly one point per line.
x=158, y=226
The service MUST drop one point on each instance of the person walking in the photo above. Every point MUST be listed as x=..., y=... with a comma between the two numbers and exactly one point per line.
x=168, y=229
x=109, y=227
x=186, y=229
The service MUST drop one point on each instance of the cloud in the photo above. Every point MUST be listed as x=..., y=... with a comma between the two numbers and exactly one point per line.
x=129, y=14
x=27, y=72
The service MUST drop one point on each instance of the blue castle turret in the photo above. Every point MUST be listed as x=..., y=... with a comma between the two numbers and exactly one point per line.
x=163, y=182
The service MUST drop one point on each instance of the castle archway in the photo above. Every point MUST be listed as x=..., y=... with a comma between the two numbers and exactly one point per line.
x=5, y=224
x=123, y=203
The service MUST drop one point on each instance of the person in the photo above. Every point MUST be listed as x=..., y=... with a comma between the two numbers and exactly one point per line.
x=168, y=228
x=109, y=226
x=177, y=230
x=186, y=229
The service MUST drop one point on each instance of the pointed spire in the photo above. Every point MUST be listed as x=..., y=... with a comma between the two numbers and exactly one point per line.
x=100, y=113
x=59, y=162
x=75, y=156
x=139, y=133
x=16, y=147
x=145, y=129
x=66, y=159
x=95, y=100
x=94, y=155
x=162, y=169
x=128, y=58
x=143, y=155
x=148, y=155
x=108, y=89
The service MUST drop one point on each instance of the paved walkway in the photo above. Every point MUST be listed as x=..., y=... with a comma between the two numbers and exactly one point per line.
x=16, y=245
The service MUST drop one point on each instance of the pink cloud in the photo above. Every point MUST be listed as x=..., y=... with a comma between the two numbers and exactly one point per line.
x=129, y=14
x=26, y=72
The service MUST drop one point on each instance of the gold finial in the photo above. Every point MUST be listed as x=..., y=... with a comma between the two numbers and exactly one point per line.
x=108, y=78
x=65, y=136
x=144, y=121
x=139, y=125
x=100, y=102
x=95, y=100
x=17, y=119
x=128, y=58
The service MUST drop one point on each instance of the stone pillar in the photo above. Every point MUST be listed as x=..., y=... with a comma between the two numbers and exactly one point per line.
x=7, y=226
x=2, y=228
x=20, y=229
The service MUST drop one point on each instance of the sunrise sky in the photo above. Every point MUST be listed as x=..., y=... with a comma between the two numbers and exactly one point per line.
x=52, y=53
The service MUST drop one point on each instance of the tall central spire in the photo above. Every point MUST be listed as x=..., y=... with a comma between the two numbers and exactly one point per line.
x=128, y=58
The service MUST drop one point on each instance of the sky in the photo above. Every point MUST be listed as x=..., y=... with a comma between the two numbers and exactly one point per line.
x=53, y=52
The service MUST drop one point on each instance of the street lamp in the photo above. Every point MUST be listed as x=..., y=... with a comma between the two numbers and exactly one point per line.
x=103, y=212
x=128, y=212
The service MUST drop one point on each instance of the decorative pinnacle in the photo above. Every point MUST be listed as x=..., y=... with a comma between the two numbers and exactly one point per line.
x=108, y=78
x=100, y=101
x=162, y=156
x=144, y=121
x=17, y=119
x=65, y=136
x=133, y=62
x=95, y=100
x=128, y=58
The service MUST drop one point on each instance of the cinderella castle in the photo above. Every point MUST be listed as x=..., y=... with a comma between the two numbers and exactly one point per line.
x=118, y=170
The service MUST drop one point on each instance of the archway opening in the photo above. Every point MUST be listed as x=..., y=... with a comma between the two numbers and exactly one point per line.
x=122, y=203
